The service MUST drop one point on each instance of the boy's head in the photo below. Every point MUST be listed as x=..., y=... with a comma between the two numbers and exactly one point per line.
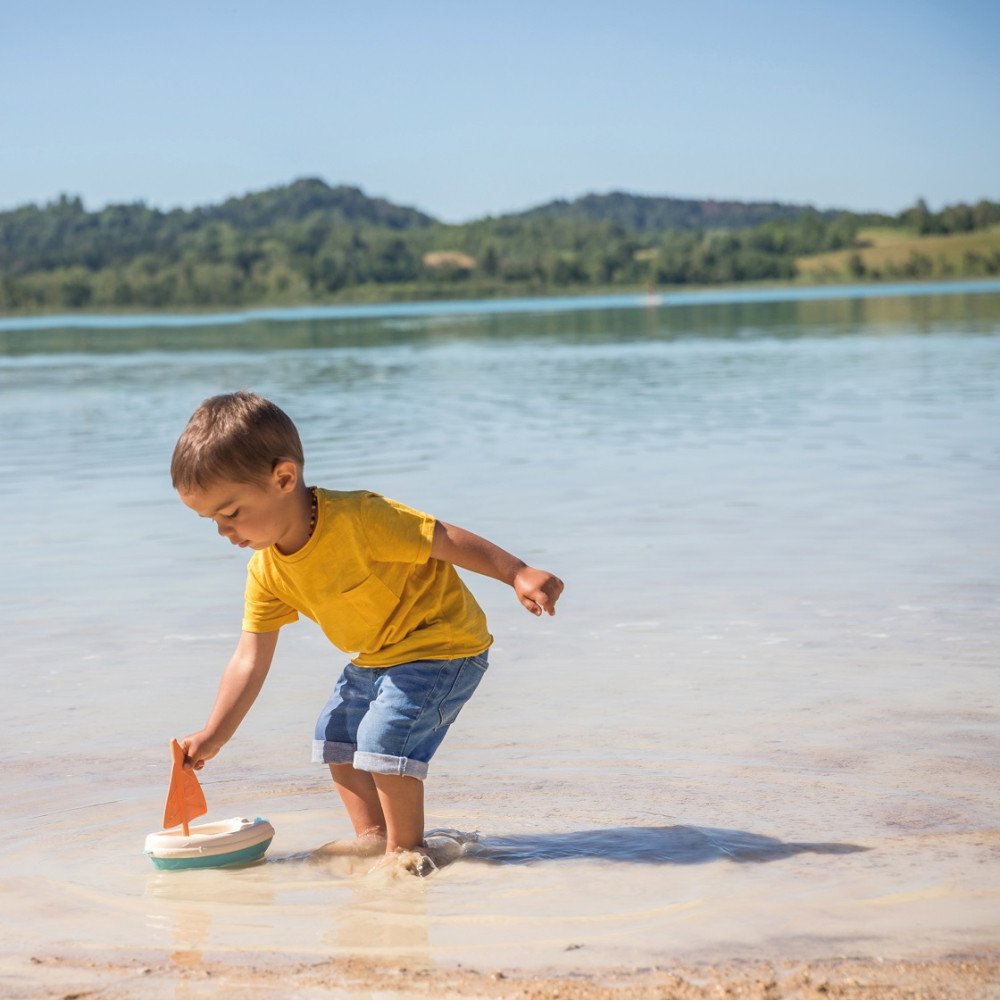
x=239, y=437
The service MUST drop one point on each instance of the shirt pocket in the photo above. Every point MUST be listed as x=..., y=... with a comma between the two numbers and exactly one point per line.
x=373, y=603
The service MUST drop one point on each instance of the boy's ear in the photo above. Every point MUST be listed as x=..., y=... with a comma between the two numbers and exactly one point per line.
x=285, y=475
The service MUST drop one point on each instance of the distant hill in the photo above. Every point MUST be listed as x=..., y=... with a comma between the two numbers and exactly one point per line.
x=63, y=233
x=312, y=196
x=650, y=214
x=308, y=242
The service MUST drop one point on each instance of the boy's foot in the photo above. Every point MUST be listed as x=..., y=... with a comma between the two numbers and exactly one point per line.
x=400, y=863
x=419, y=865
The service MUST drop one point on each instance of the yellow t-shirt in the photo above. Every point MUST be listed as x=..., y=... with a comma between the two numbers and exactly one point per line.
x=367, y=579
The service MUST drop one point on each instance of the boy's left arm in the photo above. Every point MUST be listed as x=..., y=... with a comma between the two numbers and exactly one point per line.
x=536, y=589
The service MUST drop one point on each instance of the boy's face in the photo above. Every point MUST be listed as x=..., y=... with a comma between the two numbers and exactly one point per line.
x=253, y=515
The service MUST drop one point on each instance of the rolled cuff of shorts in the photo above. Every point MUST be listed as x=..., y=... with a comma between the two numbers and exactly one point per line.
x=384, y=763
x=325, y=752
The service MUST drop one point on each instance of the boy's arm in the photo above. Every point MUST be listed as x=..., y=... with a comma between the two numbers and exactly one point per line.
x=537, y=589
x=241, y=683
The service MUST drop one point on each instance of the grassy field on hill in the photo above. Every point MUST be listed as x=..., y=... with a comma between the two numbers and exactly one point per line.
x=884, y=252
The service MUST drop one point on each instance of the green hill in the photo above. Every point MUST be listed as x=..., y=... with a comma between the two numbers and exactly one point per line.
x=309, y=242
x=311, y=196
x=649, y=214
x=65, y=234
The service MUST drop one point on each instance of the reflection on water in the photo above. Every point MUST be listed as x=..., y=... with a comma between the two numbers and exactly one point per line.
x=726, y=313
x=778, y=526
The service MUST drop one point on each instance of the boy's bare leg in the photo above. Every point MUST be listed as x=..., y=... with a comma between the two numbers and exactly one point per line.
x=361, y=799
x=402, y=800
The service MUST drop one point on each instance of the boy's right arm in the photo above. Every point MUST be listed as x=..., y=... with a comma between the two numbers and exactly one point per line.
x=241, y=683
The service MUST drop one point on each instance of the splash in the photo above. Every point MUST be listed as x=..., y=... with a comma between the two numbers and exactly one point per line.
x=439, y=849
x=353, y=857
x=402, y=865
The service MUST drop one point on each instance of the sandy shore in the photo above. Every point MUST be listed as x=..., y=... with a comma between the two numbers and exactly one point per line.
x=971, y=976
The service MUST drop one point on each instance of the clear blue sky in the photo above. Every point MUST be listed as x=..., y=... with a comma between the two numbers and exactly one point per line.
x=464, y=109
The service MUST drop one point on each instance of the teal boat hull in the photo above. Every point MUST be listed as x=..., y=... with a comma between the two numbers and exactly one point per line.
x=245, y=856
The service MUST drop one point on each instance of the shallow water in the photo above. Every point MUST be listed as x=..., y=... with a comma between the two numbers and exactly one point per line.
x=764, y=720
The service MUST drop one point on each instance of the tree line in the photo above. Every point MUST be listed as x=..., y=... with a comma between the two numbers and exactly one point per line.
x=308, y=242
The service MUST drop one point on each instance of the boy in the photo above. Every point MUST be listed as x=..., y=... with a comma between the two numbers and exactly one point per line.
x=378, y=578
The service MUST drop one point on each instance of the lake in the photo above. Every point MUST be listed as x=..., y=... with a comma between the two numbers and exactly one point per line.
x=763, y=722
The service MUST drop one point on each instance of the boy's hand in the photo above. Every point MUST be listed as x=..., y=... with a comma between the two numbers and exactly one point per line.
x=537, y=589
x=198, y=748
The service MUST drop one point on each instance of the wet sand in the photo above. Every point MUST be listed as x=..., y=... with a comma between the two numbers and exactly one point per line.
x=632, y=911
x=970, y=976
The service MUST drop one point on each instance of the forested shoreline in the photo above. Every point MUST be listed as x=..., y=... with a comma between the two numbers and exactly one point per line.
x=308, y=242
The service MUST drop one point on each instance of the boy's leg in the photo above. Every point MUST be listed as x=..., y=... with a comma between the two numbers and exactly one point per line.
x=404, y=724
x=361, y=799
x=402, y=800
x=335, y=742
x=382, y=805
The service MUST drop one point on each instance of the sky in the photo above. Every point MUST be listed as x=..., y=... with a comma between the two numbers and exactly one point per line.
x=469, y=109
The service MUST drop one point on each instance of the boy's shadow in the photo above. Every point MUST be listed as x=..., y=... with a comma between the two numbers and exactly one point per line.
x=658, y=845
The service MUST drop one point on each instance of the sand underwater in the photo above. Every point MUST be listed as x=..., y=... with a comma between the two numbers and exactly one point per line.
x=755, y=753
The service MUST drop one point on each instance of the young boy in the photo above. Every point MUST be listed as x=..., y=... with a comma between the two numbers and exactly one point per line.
x=378, y=578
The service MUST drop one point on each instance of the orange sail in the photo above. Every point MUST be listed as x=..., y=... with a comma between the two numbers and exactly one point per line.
x=185, y=799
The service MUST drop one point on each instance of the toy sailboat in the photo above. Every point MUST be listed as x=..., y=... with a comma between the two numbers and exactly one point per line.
x=208, y=845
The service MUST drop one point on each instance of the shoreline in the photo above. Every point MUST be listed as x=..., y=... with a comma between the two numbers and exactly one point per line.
x=969, y=975
x=673, y=296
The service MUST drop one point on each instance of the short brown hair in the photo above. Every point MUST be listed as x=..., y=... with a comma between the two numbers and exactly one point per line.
x=237, y=437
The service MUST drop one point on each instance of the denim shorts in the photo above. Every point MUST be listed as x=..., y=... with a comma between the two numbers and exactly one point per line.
x=391, y=719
